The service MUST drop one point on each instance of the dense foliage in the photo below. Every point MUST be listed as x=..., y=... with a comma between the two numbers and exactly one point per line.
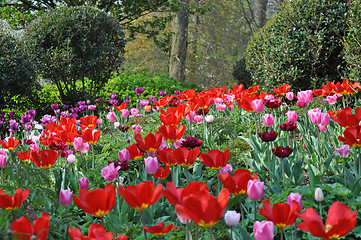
x=241, y=73
x=70, y=44
x=17, y=76
x=353, y=41
x=301, y=45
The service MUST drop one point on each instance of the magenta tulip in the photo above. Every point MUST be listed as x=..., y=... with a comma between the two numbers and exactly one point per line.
x=227, y=169
x=125, y=113
x=343, y=151
x=66, y=197
x=301, y=103
x=124, y=155
x=255, y=190
x=295, y=197
x=83, y=183
x=78, y=143
x=290, y=96
x=263, y=230
x=315, y=115
x=325, y=119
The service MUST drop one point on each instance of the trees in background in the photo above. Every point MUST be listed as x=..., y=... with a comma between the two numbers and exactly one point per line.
x=71, y=44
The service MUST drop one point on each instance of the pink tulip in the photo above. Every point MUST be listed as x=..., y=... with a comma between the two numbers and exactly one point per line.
x=301, y=103
x=99, y=121
x=71, y=158
x=227, y=169
x=178, y=143
x=151, y=165
x=255, y=190
x=137, y=129
x=2, y=161
x=182, y=219
x=66, y=197
x=268, y=120
x=263, y=230
x=257, y=105
x=292, y=116
x=331, y=99
x=307, y=96
x=322, y=128
x=134, y=112
x=221, y=107
x=78, y=143
x=83, y=183
x=295, y=197
x=209, y=118
x=325, y=119
x=218, y=101
x=343, y=151
x=315, y=115
x=34, y=147
x=198, y=118
x=111, y=117
x=290, y=96
x=85, y=148
x=124, y=155
x=125, y=113
x=190, y=117
x=110, y=172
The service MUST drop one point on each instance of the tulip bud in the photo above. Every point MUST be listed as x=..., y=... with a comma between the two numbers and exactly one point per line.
x=71, y=158
x=315, y=115
x=151, y=165
x=84, y=183
x=116, y=124
x=290, y=95
x=268, y=120
x=124, y=155
x=66, y=197
x=232, y=218
x=34, y=147
x=319, y=195
x=209, y=118
x=263, y=230
x=325, y=119
x=301, y=103
x=198, y=119
x=295, y=197
x=111, y=117
x=255, y=190
x=99, y=121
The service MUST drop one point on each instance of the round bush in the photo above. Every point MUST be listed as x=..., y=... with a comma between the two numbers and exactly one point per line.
x=301, y=46
x=69, y=44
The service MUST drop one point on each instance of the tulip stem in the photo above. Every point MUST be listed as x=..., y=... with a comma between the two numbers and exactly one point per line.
x=320, y=209
x=187, y=229
x=219, y=184
x=186, y=169
x=295, y=228
x=93, y=156
x=102, y=221
x=255, y=211
x=81, y=160
x=359, y=161
x=210, y=233
x=231, y=232
x=241, y=207
x=143, y=220
x=282, y=234
x=196, y=231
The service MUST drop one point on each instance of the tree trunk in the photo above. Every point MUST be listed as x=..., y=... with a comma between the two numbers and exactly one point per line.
x=179, y=42
x=260, y=8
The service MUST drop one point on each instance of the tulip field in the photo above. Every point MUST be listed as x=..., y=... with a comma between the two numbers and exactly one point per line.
x=225, y=163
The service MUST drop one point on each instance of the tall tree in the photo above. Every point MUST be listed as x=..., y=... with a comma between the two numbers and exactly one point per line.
x=179, y=48
x=260, y=8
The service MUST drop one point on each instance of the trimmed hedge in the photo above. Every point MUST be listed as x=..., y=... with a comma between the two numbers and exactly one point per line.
x=301, y=46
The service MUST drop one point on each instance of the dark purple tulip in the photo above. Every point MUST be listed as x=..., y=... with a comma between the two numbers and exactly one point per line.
x=288, y=126
x=55, y=106
x=282, y=152
x=176, y=92
x=202, y=111
x=32, y=112
x=65, y=106
x=268, y=136
x=139, y=91
x=273, y=103
x=191, y=142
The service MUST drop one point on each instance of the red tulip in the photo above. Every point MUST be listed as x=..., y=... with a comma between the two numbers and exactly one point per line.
x=204, y=209
x=121, y=107
x=151, y=142
x=186, y=157
x=237, y=184
x=90, y=136
x=288, y=126
x=162, y=173
x=166, y=156
x=339, y=222
x=282, y=90
x=24, y=230
x=23, y=156
x=186, y=95
x=89, y=121
x=159, y=229
x=163, y=102
x=172, y=133
x=44, y=159
x=134, y=152
x=175, y=196
x=346, y=119
x=351, y=136
x=98, y=202
x=11, y=144
x=171, y=117
x=95, y=232
x=141, y=196
x=10, y=203
x=281, y=214
x=215, y=159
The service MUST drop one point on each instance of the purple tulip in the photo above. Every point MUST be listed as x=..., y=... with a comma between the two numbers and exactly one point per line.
x=2, y=161
x=151, y=165
x=83, y=183
x=227, y=169
x=343, y=151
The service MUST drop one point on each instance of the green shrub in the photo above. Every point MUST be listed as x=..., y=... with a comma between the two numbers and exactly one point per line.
x=300, y=46
x=353, y=41
x=124, y=83
x=17, y=75
x=241, y=73
x=71, y=44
